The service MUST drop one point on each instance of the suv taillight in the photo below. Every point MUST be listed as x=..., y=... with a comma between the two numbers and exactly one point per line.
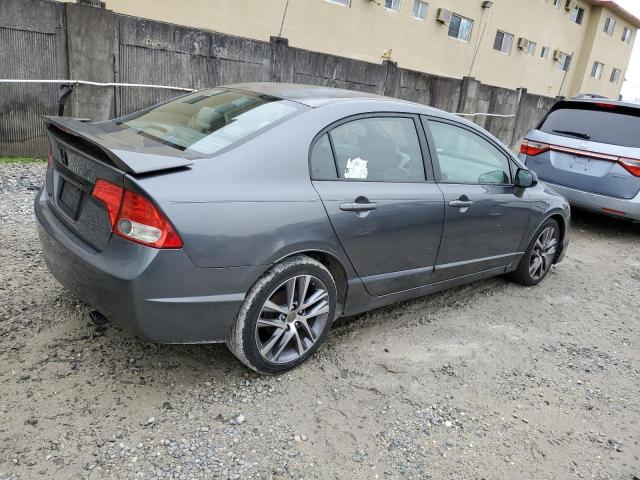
x=134, y=217
x=632, y=166
x=531, y=148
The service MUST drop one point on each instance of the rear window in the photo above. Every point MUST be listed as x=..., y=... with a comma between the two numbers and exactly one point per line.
x=209, y=121
x=602, y=123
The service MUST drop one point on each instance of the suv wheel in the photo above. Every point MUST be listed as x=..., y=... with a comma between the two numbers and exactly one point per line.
x=539, y=256
x=285, y=316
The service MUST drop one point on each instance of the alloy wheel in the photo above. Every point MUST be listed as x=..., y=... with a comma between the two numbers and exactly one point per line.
x=292, y=319
x=543, y=253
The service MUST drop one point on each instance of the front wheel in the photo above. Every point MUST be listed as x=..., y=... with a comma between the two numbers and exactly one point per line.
x=539, y=256
x=285, y=316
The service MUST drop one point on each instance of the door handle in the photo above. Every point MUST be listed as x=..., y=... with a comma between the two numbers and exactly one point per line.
x=460, y=203
x=358, y=207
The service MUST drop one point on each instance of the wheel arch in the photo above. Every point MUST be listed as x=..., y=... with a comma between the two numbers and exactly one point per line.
x=336, y=268
x=562, y=224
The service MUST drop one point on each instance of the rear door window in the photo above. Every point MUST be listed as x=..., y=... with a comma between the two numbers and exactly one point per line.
x=383, y=149
x=601, y=123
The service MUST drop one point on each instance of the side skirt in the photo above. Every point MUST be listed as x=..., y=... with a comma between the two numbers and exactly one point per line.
x=360, y=301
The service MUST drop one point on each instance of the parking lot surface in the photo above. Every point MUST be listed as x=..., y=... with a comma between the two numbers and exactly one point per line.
x=491, y=380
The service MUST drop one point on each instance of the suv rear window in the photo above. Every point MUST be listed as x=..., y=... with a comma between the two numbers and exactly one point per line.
x=208, y=121
x=596, y=122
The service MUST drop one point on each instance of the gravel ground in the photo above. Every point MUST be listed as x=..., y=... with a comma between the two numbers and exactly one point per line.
x=491, y=380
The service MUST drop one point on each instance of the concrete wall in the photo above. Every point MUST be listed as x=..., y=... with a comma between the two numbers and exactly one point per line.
x=44, y=39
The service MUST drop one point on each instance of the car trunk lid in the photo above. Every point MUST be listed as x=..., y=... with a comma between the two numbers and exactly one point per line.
x=81, y=153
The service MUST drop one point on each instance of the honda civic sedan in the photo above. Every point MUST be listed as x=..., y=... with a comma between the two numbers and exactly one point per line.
x=256, y=214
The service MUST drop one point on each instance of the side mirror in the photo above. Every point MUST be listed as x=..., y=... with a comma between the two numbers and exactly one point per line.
x=526, y=178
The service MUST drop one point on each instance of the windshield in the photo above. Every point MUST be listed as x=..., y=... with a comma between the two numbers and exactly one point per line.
x=602, y=123
x=206, y=122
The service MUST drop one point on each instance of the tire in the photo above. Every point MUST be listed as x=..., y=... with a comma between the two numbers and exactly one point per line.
x=537, y=249
x=294, y=338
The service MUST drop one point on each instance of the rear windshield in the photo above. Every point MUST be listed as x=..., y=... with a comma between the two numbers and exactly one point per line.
x=602, y=123
x=209, y=121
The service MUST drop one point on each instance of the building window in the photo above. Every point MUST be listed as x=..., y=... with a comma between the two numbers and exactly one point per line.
x=503, y=42
x=563, y=60
x=577, y=15
x=609, y=25
x=393, y=5
x=460, y=27
x=596, y=70
x=346, y=3
x=419, y=10
x=616, y=73
x=531, y=48
x=626, y=35
x=544, y=52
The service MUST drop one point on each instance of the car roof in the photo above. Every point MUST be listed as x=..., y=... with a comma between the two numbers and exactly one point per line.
x=313, y=96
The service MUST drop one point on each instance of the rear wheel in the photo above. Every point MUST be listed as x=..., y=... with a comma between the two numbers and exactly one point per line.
x=285, y=316
x=539, y=256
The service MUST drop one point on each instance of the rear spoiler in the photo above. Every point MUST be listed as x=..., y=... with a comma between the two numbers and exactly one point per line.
x=122, y=154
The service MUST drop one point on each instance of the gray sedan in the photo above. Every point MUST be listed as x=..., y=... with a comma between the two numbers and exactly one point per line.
x=255, y=214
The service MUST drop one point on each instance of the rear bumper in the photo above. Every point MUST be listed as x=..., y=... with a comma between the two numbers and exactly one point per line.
x=626, y=208
x=157, y=295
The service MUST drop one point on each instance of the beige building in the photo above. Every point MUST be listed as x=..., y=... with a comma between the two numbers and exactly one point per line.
x=551, y=47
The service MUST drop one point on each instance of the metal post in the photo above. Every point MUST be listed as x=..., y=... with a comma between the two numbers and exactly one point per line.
x=64, y=92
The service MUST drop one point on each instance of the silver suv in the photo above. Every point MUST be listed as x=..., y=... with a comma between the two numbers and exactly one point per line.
x=588, y=150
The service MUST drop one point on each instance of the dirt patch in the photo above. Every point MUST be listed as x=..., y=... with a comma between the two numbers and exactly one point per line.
x=491, y=380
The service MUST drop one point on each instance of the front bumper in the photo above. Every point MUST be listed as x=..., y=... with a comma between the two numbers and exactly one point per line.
x=617, y=207
x=158, y=295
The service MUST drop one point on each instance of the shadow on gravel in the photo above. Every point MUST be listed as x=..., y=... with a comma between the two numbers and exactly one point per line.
x=136, y=361
x=590, y=222
x=391, y=315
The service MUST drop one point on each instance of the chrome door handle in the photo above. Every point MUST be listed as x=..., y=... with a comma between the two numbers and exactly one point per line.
x=460, y=203
x=358, y=207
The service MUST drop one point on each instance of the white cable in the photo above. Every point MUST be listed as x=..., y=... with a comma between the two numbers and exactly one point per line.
x=97, y=84
x=483, y=114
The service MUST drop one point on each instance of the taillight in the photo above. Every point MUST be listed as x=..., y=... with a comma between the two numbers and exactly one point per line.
x=134, y=217
x=140, y=221
x=632, y=166
x=531, y=148
x=111, y=195
x=609, y=106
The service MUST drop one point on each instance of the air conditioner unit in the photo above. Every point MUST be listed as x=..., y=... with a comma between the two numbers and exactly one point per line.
x=570, y=5
x=443, y=16
x=558, y=55
x=524, y=44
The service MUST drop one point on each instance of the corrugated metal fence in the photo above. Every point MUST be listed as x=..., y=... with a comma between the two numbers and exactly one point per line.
x=35, y=55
